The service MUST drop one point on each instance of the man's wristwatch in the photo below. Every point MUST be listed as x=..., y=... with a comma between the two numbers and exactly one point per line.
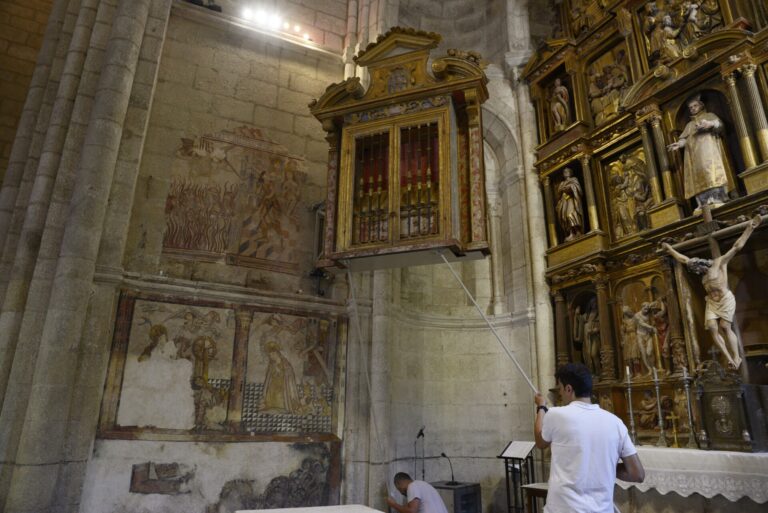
x=541, y=407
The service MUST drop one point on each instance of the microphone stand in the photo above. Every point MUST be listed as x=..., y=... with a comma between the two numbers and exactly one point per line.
x=453, y=481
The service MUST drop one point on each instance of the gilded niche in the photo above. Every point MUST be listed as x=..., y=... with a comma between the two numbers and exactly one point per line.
x=629, y=192
x=608, y=77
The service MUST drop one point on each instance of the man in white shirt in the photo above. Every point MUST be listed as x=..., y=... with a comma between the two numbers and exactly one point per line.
x=587, y=443
x=422, y=497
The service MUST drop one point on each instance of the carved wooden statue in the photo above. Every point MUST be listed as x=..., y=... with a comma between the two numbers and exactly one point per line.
x=720, y=301
x=569, y=211
x=560, y=106
x=704, y=175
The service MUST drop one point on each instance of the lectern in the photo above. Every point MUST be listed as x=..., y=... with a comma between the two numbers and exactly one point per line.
x=518, y=466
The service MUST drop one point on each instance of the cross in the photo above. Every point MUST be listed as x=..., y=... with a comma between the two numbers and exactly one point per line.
x=673, y=418
x=711, y=225
x=713, y=351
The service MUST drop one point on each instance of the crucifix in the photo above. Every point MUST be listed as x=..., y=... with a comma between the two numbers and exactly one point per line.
x=720, y=301
x=672, y=417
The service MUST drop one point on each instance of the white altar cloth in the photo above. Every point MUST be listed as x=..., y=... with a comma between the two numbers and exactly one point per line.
x=349, y=508
x=685, y=471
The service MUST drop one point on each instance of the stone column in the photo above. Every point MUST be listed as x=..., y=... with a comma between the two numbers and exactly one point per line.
x=650, y=160
x=756, y=108
x=661, y=149
x=745, y=141
x=25, y=257
x=243, y=318
x=550, y=206
x=19, y=383
x=561, y=332
x=41, y=455
x=676, y=336
x=607, y=357
x=45, y=117
x=540, y=311
x=497, y=259
x=29, y=114
x=594, y=221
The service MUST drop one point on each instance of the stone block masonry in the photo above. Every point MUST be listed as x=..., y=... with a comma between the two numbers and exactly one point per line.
x=23, y=26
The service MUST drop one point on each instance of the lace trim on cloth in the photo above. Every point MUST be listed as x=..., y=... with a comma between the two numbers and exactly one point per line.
x=686, y=471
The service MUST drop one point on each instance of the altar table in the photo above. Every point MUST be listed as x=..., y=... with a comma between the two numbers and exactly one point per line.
x=685, y=471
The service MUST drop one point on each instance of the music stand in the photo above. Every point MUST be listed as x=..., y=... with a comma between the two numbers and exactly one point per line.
x=518, y=465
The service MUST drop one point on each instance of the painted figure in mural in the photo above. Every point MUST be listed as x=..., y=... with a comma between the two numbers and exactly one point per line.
x=156, y=389
x=720, y=303
x=201, y=351
x=280, y=394
x=569, y=211
x=704, y=174
x=315, y=367
x=629, y=337
x=648, y=413
x=560, y=106
x=644, y=336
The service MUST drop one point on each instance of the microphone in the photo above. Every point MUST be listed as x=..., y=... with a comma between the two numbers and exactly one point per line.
x=453, y=481
x=421, y=433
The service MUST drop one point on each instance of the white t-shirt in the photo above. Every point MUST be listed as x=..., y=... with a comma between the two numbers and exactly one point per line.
x=429, y=500
x=587, y=442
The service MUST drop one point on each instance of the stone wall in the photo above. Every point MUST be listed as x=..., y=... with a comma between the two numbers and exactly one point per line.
x=23, y=23
x=324, y=20
x=229, y=120
x=464, y=24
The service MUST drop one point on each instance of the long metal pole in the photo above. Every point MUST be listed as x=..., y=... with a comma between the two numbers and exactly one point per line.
x=488, y=322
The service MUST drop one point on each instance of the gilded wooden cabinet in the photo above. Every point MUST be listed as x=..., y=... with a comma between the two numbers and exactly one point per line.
x=406, y=175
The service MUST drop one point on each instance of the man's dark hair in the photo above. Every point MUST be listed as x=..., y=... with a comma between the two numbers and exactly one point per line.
x=402, y=476
x=578, y=376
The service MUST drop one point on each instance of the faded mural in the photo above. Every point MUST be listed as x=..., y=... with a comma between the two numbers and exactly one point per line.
x=289, y=382
x=177, y=367
x=181, y=367
x=234, y=197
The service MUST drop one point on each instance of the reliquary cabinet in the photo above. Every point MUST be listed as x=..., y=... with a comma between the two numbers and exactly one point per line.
x=653, y=130
x=405, y=172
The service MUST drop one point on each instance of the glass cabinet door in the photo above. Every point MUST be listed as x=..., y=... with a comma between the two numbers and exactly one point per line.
x=419, y=181
x=370, y=200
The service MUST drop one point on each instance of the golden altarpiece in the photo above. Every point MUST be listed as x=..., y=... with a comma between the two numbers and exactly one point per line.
x=405, y=162
x=617, y=85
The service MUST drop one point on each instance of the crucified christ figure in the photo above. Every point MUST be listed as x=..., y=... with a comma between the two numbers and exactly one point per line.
x=720, y=302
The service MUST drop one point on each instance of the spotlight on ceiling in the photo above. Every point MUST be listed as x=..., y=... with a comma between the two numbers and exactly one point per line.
x=275, y=21
x=247, y=14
